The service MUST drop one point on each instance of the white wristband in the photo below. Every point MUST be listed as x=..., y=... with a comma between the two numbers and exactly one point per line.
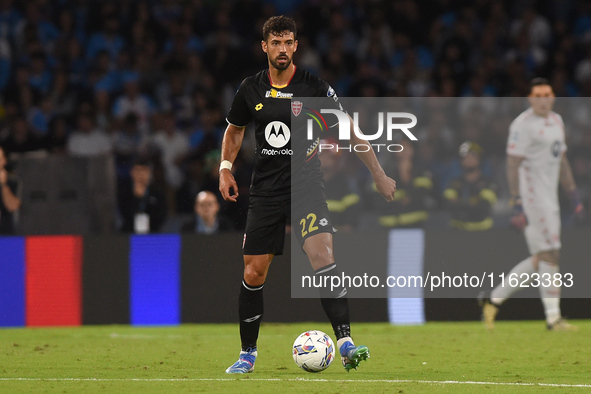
x=226, y=164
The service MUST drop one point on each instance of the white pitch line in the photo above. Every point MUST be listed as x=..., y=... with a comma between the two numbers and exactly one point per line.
x=297, y=380
x=145, y=336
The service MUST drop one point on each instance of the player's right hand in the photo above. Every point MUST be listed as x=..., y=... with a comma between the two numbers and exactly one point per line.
x=228, y=182
x=386, y=186
x=519, y=220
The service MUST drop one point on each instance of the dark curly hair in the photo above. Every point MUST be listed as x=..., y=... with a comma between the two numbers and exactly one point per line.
x=277, y=25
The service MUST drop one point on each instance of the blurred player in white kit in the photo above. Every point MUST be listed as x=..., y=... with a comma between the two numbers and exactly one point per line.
x=536, y=165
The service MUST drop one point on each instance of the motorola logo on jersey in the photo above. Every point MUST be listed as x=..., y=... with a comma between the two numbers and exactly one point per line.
x=277, y=135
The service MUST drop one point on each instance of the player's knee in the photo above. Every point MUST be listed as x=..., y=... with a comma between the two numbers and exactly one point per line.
x=254, y=277
x=255, y=274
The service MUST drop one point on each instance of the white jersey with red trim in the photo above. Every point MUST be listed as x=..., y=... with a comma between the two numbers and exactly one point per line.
x=540, y=140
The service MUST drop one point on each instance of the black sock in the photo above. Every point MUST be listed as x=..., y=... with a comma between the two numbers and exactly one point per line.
x=335, y=303
x=250, y=311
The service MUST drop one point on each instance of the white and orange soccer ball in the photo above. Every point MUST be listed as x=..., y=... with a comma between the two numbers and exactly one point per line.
x=313, y=351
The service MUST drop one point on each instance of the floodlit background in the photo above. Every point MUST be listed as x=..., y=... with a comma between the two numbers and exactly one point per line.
x=87, y=86
x=156, y=78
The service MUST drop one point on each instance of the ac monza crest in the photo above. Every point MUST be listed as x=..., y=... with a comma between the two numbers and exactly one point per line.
x=296, y=107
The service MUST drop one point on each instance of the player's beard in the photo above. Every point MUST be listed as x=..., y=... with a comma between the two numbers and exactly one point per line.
x=279, y=66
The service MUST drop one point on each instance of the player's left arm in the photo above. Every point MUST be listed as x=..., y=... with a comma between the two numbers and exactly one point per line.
x=567, y=181
x=231, y=143
x=386, y=186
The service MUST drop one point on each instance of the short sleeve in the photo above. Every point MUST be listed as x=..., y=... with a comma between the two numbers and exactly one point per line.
x=326, y=90
x=519, y=139
x=239, y=114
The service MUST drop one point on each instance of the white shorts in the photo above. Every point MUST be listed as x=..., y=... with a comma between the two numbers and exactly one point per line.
x=543, y=228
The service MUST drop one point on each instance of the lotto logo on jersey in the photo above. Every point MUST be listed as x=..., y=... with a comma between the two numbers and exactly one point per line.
x=277, y=135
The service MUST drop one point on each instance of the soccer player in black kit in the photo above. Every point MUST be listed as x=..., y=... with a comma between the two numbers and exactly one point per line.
x=265, y=99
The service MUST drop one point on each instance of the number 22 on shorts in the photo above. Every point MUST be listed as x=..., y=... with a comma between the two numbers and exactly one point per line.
x=311, y=224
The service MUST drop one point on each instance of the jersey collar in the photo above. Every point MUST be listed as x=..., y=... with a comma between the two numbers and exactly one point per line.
x=281, y=86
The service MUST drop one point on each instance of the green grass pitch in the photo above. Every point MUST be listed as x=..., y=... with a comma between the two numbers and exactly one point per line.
x=436, y=357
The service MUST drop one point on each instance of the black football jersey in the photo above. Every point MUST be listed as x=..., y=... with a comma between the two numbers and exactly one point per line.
x=270, y=108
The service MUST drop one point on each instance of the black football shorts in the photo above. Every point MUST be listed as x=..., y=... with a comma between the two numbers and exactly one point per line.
x=267, y=217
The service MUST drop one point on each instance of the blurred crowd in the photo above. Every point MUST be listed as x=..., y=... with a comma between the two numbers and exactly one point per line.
x=154, y=78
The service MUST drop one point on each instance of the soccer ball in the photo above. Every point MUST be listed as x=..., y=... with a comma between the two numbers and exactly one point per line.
x=313, y=351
